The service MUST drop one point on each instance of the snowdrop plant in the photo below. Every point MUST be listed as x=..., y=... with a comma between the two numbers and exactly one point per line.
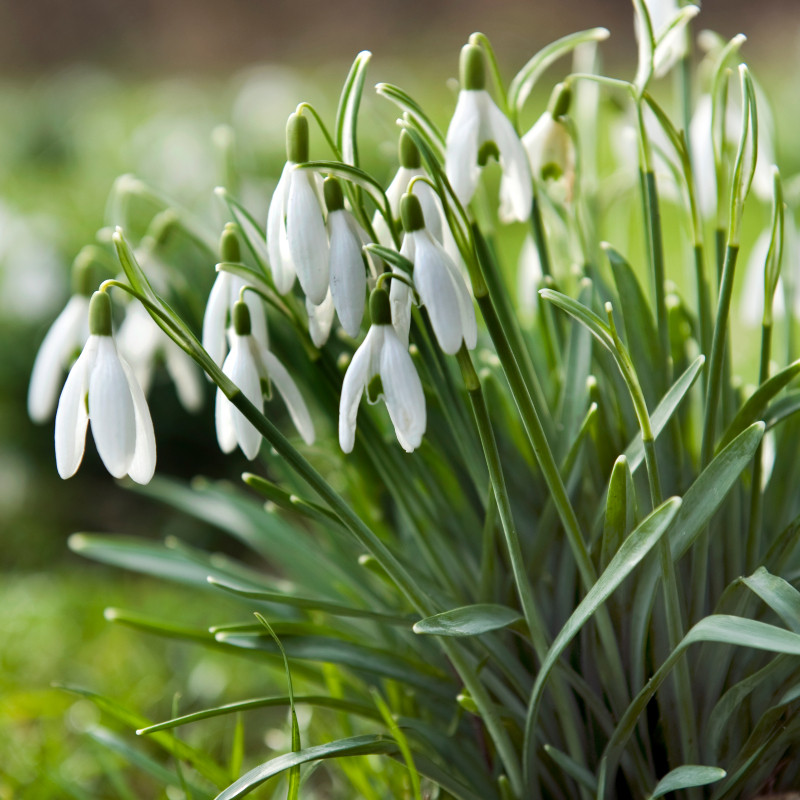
x=580, y=578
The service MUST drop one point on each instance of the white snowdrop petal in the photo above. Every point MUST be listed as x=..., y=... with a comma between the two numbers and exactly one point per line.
x=469, y=323
x=402, y=390
x=320, y=320
x=355, y=381
x=516, y=186
x=287, y=388
x=348, y=275
x=72, y=417
x=185, y=375
x=438, y=291
x=215, y=318
x=111, y=410
x=67, y=334
x=143, y=464
x=223, y=422
x=243, y=371
x=461, y=160
x=432, y=211
x=306, y=236
x=283, y=272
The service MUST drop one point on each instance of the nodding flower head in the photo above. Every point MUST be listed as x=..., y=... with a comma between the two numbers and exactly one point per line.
x=296, y=239
x=479, y=130
x=440, y=285
x=383, y=367
x=101, y=389
x=253, y=369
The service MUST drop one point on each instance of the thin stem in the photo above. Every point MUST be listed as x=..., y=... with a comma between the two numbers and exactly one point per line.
x=533, y=619
x=754, y=526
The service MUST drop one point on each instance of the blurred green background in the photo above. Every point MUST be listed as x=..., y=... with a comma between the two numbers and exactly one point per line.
x=94, y=89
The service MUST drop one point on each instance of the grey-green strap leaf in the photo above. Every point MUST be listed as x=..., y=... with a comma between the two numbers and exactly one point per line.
x=468, y=620
x=632, y=551
x=685, y=777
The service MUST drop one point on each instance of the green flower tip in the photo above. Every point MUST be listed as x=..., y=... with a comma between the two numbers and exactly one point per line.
x=408, y=153
x=83, y=277
x=100, y=314
x=229, y=244
x=241, y=318
x=334, y=199
x=380, y=310
x=560, y=99
x=297, y=138
x=411, y=213
x=472, y=70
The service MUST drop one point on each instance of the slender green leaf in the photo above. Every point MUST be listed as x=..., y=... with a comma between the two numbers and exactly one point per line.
x=632, y=551
x=468, y=620
x=523, y=82
x=685, y=777
x=616, y=518
x=779, y=595
x=311, y=603
x=572, y=768
x=354, y=746
x=640, y=327
x=350, y=654
x=716, y=628
x=663, y=412
x=402, y=742
x=407, y=104
x=349, y=104
x=754, y=408
x=317, y=700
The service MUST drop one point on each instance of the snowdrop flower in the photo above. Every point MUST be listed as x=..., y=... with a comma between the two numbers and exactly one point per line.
x=550, y=149
x=101, y=388
x=383, y=357
x=250, y=366
x=60, y=346
x=348, y=272
x=479, y=130
x=224, y=293
x=296, y=239
x=440, y=285
x=410, y=168
x=142, y=342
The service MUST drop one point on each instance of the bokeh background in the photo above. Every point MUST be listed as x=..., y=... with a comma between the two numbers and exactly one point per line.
x=92, y=89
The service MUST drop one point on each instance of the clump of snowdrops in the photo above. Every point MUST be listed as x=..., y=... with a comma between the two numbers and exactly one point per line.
x=558, y=559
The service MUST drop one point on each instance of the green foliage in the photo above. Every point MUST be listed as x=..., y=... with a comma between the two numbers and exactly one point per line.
x=514, y=610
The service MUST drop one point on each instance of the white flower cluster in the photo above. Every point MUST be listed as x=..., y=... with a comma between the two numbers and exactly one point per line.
x=314, y=238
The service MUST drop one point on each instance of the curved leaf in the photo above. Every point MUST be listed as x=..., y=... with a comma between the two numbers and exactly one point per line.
x=468, y=620
x=685, y=777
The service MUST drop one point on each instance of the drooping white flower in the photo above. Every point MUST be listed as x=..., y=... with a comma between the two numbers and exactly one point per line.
x=382, y=355
x=479, y=129
x=249, y=365
x=410, y=168
x=142, y=342
x=66, y=337
x=224, y=293
x=296, y=238
x=550, y=149
x=439, y=283
x=348, y=269
x=102, y=388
